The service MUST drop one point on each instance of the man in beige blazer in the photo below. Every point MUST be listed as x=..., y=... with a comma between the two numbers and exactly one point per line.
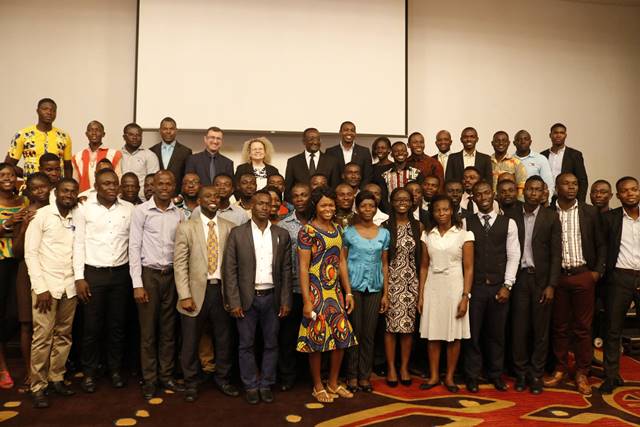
x=199, y=247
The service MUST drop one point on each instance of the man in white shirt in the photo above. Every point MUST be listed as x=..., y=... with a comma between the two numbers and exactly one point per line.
x=48, y=254
x=101, y=269
x=136, y=159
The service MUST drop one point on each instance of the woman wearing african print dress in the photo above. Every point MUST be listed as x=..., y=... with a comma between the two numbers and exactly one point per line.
x=325, y=325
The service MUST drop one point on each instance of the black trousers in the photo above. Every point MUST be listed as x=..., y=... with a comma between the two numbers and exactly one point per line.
x=364, y=321
x=530, y=327
x=8, y=302
x=105, y=317
x=621, y=289
x=487, y=319
x=221, y=325
x=288, y=339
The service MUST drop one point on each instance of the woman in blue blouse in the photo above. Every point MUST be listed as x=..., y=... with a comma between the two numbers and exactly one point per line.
x=365, y=247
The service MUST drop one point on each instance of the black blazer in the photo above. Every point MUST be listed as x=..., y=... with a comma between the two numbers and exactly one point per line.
x=177, y=162
x=239, y=267
x=546, y=244
x=361, y=155
x=612, y=222
x=248, y=168
x=455, y=167
x=594, y=242
x=199, y=163
x=573, y=162
x=298, y=171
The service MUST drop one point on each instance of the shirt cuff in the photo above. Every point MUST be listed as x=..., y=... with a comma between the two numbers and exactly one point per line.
x=38, y=285
x=137, y=282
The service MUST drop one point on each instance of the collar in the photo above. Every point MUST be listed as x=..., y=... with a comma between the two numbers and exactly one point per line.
x=464, y=153
x=151, y=204
x=452, y=229
x=55, y=211
x=441, y=154
x=166, y=145
x=534, y=213
x=210, y=154
x=531, y=154
x=316, y=155
x=254, y=227
x=125, y=151
x=560, y=151
x=492, y=214
x=573, y=207
x=92, y=198
x=205, y=219
x=292, y=217
x=347, y=149
x=506, y=157
x=626, y=215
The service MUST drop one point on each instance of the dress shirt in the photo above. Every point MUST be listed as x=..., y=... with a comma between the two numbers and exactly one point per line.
x=513, y=247
x=629, y=256
x=262, y=245
x=468, y=159
x=316, y=158
x=247, y=212
x=292, y=224
x=394, y=178
x=443, y=158
x=48, y=252
x=537, y=164
x=555, y=163
x=166, y=150
x=529, y=223
x=380, y=217
x=466, y=198
x=571, y=237
x=142, y=162
x=151, y=238
x=347, y=153
x=102, y=235
x=233, y=213
x=205, y=227
x=511, y=165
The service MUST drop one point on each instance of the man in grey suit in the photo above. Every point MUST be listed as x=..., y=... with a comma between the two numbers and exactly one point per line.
x=257, y=289
x=203, y=238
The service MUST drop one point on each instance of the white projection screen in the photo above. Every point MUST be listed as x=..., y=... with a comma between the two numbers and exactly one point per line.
x=277, y=65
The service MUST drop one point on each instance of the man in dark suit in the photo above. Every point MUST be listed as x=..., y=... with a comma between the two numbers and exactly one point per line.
x=257, y=289
x=171, y=154
x=209, y=162
x=469, y=157
x=563, y=159
x=507, y=197
x=311, y=161
x=622, y=226
x=583, y=263
x=347, y=151
x=539, y=232
x=443, y=142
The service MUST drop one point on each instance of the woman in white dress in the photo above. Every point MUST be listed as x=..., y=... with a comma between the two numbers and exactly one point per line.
x=444, y=298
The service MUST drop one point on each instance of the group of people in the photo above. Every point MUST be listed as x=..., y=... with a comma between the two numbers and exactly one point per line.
x=350, y=252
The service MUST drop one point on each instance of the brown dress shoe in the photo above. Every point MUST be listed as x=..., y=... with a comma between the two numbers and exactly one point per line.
x=554, y=379
x=582, y=384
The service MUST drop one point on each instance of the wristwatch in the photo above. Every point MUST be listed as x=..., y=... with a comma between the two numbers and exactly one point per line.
x=508, y=286
x=468, y=295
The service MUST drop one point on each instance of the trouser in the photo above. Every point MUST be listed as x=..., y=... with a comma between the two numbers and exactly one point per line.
x=262, y=311
x=212, y=311
x=8, y=301
x=573, y=306
x=110, y=293
x=622, y=286
x=364, y=321
x=487, y=319
x=205, y=350
x=51, y=341
x=157, y=325
x=288, y=339
x=530, y=327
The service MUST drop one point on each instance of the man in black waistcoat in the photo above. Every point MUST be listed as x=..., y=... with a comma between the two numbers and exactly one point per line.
x=497, y=253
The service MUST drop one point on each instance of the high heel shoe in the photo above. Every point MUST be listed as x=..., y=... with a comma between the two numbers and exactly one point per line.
x=406, y=383
x=428, y=386
x=392, y=383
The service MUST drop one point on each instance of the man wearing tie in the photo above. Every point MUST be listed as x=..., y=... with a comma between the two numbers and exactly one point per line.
x=209, y=162
x=257, y=289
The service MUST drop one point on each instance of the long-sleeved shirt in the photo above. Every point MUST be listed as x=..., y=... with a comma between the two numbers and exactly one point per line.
x=537, y=164
x=102, y=235
x=512, y=165
x=48, y=252
x=142, y=162
x=293, y=225
x=513, y=248
x=151, y=238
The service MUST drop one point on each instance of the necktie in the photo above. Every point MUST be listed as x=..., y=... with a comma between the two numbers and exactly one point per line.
x=212, y=167
x=470, y=205
x=312, y=164
x=212, y=248
x=486, y=224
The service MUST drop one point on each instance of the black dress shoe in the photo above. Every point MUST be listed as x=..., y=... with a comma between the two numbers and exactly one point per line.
x=60, y=388
x=172, y=385
x=88, y=384
x=116, y=380
x=499, y=384
x=286, y=386
x=380, y=370
x=229, y=389
x=520, y=384
x=472, y=386
x=148, y=390
x=536, y=386
x=266, y=395
x=428, y=386
x=608, y=386
x=253, y=397
x=40, y=400
x=190, y=395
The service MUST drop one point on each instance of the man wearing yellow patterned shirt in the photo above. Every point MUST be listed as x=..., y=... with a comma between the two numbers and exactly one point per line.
x=502, y=162
x=32, y=142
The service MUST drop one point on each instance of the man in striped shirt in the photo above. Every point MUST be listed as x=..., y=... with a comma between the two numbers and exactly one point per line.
x=399, y=172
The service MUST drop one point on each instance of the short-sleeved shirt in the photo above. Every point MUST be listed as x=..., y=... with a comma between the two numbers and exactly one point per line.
x=365, y=259
x=6, y=243
x=31, y=143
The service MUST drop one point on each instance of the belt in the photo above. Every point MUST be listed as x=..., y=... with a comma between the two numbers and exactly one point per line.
x=575, y=270
x=164, y=270
x=634, y=273
x=213, y=282
x=263, y=292
x=116, y=268
x=528, y=270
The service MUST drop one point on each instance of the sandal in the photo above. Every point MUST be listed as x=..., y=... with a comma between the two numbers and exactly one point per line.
x=6, y=382
x=322, y=396
x=340, y=391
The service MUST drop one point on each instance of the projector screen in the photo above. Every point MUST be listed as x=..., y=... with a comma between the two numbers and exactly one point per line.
x=278, y=65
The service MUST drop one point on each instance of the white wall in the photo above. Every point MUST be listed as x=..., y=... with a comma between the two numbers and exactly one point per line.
x=492, y=64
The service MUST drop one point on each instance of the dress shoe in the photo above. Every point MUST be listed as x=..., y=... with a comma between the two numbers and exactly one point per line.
x=380, y=370
x=610, y=384
x=286, y=386
x=472, y=386
x=190, y=395
x=499, y=384
x=266, y=395
x=172, y=385
x=61, y=389
x=88, y=384
x=536, y=386
x=40, y=400
x=555, y=379
x=520, y=383
x=582, y=384
x=229, y=389
x=116, y=380
x=253, y=397
x=148, y=390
